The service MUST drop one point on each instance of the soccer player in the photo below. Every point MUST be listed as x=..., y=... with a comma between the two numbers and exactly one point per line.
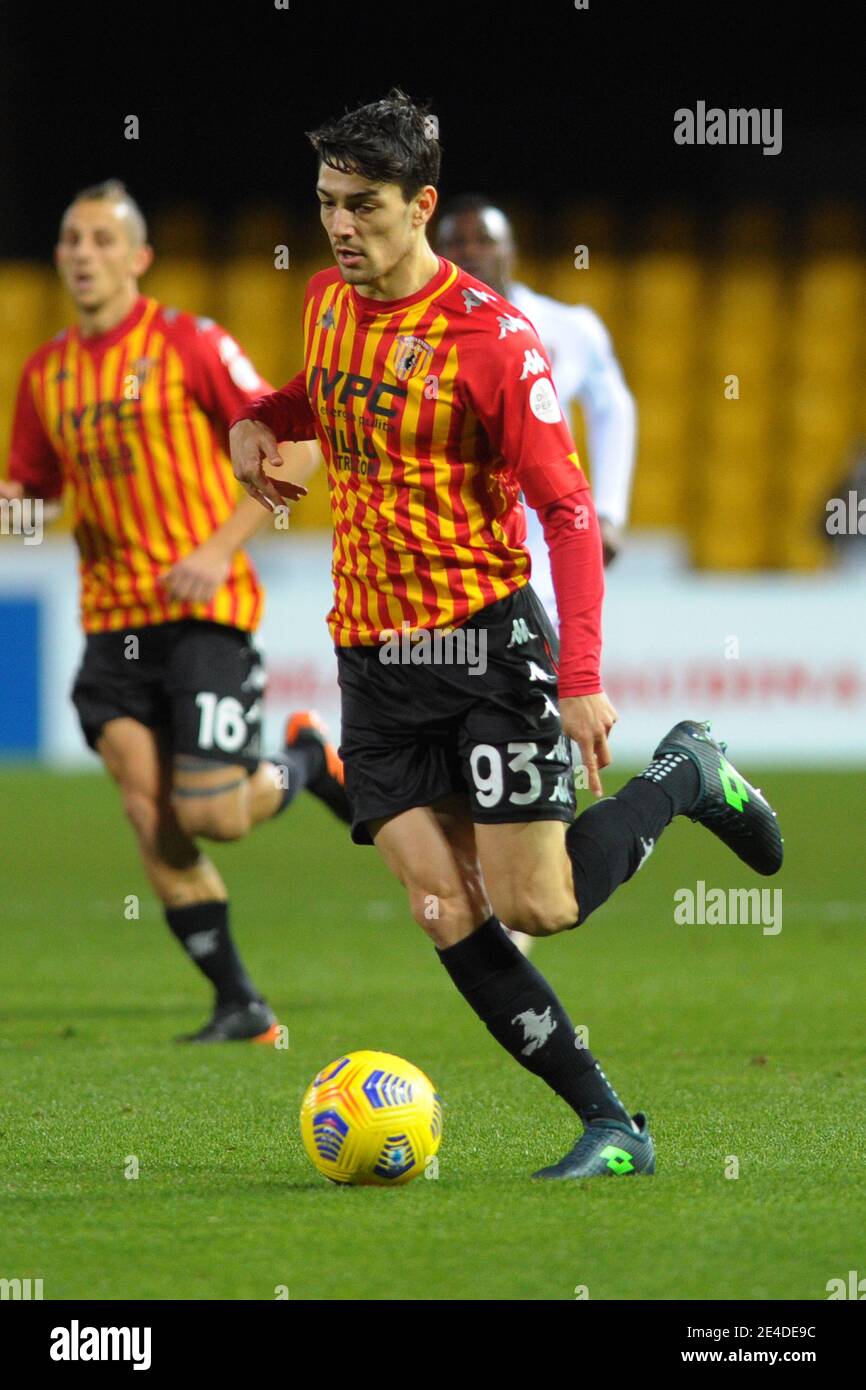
x=479, y=238
x=130, y=408
x=432, y=399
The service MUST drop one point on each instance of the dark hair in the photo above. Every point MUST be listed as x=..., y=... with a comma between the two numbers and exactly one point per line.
x=114, y=191
x=387, y=141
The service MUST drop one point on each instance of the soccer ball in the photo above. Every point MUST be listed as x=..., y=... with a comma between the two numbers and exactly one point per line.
x=371, y=1119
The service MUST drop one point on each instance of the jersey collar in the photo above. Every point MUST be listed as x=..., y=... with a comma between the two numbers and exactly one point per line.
x=367, y=308
x=100, y=341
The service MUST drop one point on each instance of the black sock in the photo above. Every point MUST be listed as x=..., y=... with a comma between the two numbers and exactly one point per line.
x=301, y=766
x=611, y=839
x=523, y=1014
x=203, y=931
x=676, y=775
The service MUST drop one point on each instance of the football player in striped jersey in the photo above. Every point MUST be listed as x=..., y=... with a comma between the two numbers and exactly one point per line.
x=129, y=408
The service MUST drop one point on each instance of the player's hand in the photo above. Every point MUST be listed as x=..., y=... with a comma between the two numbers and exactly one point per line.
x=10, y=490
x=252, y=445
x=611, y=540
x=588, y=719
x=196, y=578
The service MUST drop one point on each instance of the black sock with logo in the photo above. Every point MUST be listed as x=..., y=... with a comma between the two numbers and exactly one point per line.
x=612, y=838
x=521, y=1011
x=203, y=931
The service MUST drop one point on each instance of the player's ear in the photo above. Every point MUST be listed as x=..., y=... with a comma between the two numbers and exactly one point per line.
x=142, y=260
x=425, y=204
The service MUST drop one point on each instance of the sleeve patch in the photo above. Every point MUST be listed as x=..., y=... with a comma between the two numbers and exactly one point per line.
x=543, y=401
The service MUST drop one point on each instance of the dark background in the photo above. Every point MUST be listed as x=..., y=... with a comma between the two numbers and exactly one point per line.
x=539, y=104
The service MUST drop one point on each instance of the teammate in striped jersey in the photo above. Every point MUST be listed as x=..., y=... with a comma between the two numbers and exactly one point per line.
x=432, y=399
x=130, y=409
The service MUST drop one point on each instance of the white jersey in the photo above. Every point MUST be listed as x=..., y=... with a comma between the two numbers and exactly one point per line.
x=585, y=370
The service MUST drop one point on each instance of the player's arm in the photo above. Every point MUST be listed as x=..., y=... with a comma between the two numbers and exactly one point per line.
x=517, y=404
x=223, y=381
x=611, y=426
x=34, y=467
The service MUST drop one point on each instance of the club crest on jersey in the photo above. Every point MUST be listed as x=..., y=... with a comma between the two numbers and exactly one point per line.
x=327, y=319
x=413, y=356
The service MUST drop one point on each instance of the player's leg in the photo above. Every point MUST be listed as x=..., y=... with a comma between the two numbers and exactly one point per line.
x=221, y=787
x=433, y=853
x=542, y=891
x=187, y=883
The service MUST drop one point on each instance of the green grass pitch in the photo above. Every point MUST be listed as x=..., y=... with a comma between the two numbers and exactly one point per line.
x=735, y=1042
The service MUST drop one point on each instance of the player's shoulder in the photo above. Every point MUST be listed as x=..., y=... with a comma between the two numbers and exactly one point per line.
x=201, y=340
x=482, y=316
x=180, y=326
x=38, y=358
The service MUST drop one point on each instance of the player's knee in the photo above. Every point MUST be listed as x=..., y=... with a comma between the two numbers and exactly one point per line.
x=440, y=913
x=224, y=817
x=540, y=914
x=142, y=811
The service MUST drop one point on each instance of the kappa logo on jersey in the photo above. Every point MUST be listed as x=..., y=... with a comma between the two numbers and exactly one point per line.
x=472, y=298
x=543, y=401
x=533, y=363
x=510, y=323
x=413, y=356
x=549, y=710
x=537, y=1028
x=520, y=633
x=536, y=673
x=327, y=319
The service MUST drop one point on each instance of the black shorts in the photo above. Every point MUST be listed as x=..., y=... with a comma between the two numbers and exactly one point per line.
x=199, y=684
x=413, y=732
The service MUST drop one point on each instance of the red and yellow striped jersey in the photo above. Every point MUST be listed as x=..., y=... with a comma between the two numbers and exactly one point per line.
x=432, y=412
x=135, y=421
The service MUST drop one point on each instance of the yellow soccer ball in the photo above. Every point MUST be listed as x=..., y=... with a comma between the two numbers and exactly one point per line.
x=371, y=1119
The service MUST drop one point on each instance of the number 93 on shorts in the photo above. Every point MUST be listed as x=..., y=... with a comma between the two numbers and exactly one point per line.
x=521, y=780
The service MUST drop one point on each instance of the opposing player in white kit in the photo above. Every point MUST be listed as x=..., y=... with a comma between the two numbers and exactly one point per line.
x=477, y=236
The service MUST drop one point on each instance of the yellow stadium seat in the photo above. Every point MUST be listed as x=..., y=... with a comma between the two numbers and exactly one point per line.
x=740, y=424
x=180, y=283
x=599, y=286
x=658, y=361
x=827, y=355
x=26, y=300
x=821, y=417
x=830, y=292
x=663, y=289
